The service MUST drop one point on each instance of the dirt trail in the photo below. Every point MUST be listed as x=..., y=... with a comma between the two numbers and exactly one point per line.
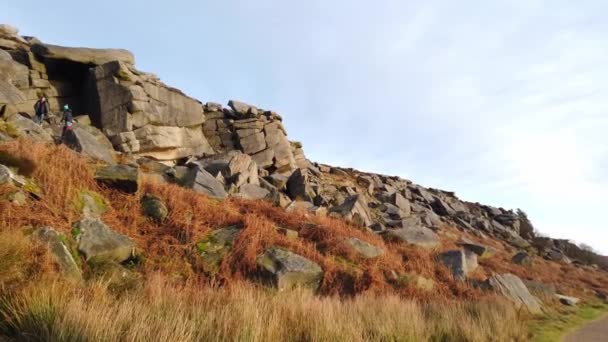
x=596, y=331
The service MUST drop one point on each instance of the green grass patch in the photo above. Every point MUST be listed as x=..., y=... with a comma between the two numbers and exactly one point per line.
x=554, y=325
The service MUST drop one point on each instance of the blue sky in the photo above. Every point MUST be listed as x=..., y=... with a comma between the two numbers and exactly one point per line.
x=503, y=102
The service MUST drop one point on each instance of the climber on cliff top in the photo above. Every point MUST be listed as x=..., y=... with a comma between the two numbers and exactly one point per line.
x=41, y=109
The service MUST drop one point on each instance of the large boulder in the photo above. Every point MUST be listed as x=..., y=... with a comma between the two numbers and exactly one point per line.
x=83, y=55
x=215, y=246
x=81, y=140
x=60, y=251
x=288, y=270
x=122, y=177
x=99, y=243
x=414, y=235
x=513, y=288
x=354, y=209
x=170, y=143
x=242, y=110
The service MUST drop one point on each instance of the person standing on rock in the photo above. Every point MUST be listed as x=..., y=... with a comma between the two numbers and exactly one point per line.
x=41, y=109
x=68, y=120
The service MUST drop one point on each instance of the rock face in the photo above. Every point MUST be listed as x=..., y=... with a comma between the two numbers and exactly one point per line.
x=100, y=243
x=82, y=55
x=514, y=289
x=289, y=270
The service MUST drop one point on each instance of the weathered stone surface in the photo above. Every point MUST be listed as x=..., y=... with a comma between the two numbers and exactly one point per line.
x=398, y=200
x=27, y=128
x=243, y=110
x=278, y=180
x=80, y=140
x=364, y=249
x=100, y=243
x=215, y=246
x=203, y=182
x=252, y=192
x=91, y=204
x=170, y=143
x=299, y=186
x=242, y=170
x=417, y=281
x=83, y=55
x=460, y=263
x=515, y=290
x=355, y=209
x=414, y=235
x=154, y=208
x=253, y=144
x=289, y=270
x=60, y=250
x=122, y=177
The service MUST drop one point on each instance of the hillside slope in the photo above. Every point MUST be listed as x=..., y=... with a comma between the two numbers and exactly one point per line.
x=151, y=182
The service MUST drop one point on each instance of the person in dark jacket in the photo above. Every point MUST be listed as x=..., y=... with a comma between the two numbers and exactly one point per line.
x=41, y=109
x=68, y=120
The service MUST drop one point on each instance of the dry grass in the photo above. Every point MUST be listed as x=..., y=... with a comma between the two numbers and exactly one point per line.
x=56, y=311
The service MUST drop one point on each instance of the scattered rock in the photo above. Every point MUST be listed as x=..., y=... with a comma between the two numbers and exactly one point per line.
x=355, y=209
x=522, y=258
x=60, y=250
x=364, y=249
x=154, y=208
x=121, y=177
x=99, y=243
x=514, y=289
x=252, y=192
x=460, y=263
x=80, y=140
x=289, y=270
x=418, y=236
x=203, y=182
x=215, y=246
x=566, y=300
x=91, y=204
x=483, y=252
x=299, y=186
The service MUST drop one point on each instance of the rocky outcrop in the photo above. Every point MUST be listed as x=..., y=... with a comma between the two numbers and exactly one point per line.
x=82, y=140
